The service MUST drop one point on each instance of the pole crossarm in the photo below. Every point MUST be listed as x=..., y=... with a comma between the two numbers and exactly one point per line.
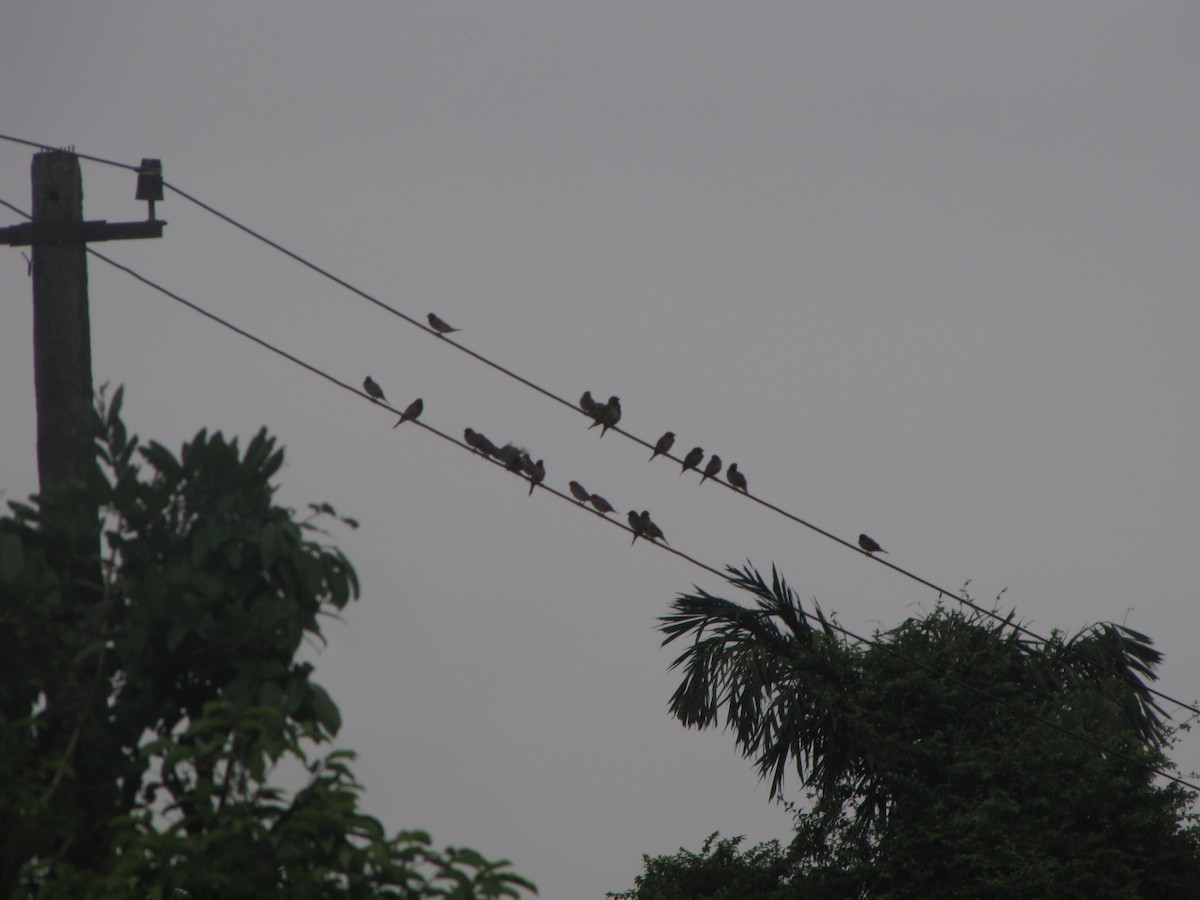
x=29, y=233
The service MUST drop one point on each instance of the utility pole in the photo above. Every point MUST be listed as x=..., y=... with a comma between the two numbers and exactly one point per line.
x=62, y=372
x=62, y=351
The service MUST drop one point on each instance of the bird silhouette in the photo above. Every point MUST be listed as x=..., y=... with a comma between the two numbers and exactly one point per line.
x=602, y=506
x=692, y=459
x=612, y=415
x=479, y=442
x=589, y=405
x=411, y=412
x=510, y=456
x=635, y=522
x=736, y=478
x=537, y=476
x=713, y=469
x=374, y=391
x=870, y=544
x=649, y=529
x=664, y=445
x=579, y=492
x=439, y=326
x=607, y=415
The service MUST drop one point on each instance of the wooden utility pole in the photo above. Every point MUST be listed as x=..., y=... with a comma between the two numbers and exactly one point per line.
x=62, y=351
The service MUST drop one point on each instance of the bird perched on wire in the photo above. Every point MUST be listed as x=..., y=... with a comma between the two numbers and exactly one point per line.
x=374, y=391
x=649, y=529
x=608, y=415
x=869, y=544
x=510, y=456
x=692, y=459
x=579, y=492
x=589, y=405
x=736, y=478
x=713, y=469
x=635, y=522
x=536, y=476
x=602, y=506
x=479, y=442
x=411, y=412
x=663, y=445
x=439, y=326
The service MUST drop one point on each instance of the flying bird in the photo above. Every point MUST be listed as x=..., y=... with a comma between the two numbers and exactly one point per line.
x=374, y=391
x=664, y=445
x=439, y=326
x=713, y=469
x=635, y=522
x=536, y=476
x=736, y=478
x=649, y=529
x=411, y=412
x=692, y=459
x=602, y=506
x=869, y=544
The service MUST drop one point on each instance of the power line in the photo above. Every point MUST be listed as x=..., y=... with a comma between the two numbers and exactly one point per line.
x=942, y=591
x=957, y=597
x=692, y=560
x=71, y=150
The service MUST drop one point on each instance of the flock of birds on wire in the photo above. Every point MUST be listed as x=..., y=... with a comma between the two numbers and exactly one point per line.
x=606, y=415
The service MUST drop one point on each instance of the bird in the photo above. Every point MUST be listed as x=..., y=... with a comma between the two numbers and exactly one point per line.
x=439, y=326
x=869, y=544
x=663, y=445
x=692, y=459
x=651, y=530
x=510, y=456
x=579, y=492
x=713, y=469
x=479, y=442
x=374, y=391
x=736, y=478
x=612, y=415
x=602, y=506
x=608, y=414
x=635, y=522
x=536, y=476
x=589, y=405
x=411, y=412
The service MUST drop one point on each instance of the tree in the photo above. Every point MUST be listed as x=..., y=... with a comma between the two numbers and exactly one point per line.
x=147, y=692
x=944, y=757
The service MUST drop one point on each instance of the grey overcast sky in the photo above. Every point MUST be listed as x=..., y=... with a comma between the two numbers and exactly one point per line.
x=926, y=270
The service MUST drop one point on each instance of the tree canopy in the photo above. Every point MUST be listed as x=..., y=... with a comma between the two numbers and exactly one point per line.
x=950, y=756
x=149, y=686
